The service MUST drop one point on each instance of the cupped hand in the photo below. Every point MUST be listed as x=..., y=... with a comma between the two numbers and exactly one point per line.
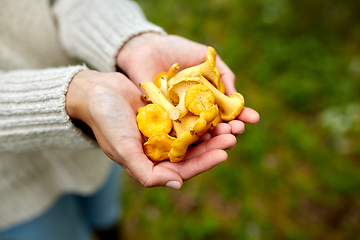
x=146, y=55
x=108, y=102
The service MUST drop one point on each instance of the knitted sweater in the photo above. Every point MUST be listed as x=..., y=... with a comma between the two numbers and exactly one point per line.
x=43, y=44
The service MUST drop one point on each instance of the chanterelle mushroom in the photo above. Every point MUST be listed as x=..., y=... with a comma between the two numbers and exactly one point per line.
x=180, y=145
x=156, y=96
x=199, y=98
x=153, y=119
x=230, y=106
x=178, y=91
x=166, y=75
x=188, y=122
x=158, y=146
x=207, y=69
x=161, y=79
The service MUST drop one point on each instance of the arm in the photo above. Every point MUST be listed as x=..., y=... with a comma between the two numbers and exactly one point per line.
x=32, y=110
x=94, y=30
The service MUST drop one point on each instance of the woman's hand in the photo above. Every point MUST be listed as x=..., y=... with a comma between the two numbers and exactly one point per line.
x=148, y=54
x=108, y=102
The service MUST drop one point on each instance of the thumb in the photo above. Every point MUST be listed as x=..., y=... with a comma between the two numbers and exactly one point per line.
x=153, y=175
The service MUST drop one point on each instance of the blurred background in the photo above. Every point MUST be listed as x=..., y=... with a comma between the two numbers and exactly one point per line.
x=294, y=175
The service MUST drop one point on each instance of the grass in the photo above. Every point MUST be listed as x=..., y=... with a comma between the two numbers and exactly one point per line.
x=296, y=174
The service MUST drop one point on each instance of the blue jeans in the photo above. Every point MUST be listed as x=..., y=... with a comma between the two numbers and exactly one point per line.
x=74, y=217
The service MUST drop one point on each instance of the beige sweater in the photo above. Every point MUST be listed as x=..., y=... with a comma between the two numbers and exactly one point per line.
x=42, y=46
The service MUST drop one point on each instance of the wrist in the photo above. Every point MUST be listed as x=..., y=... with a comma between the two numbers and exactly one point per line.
x=75, y=102
x=126, y=51
x=91, y=92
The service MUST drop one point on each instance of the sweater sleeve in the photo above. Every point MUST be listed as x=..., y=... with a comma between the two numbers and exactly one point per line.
x=95, y=30
x=32, y=111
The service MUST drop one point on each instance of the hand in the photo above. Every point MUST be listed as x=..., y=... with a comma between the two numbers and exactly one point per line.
x=108, y=102
x=148, y=54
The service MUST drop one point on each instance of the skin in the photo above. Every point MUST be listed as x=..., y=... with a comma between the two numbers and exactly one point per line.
x=108, y=103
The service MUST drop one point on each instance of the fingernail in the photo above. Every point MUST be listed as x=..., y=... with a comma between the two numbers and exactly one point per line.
x=173, y=184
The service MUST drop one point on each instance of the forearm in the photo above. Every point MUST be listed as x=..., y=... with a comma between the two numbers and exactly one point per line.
x=94, y=30
x=32, y=110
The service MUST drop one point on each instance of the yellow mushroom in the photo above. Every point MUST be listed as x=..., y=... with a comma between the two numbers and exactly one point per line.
x=167, y=75
x=207, y=117
x=217, y=120
x=189, y=130
x=199, y=98
x=229, y=106
x=178, y=91
x=156, y=96
x=152, y=119
x=164, y=87
x=210, y=115
x=208, y=69
x=157, y=78
x=158, y=146
x=161, y=79
x=180, y=145
x=199, y=123
x=187, y=123
x=172, y=71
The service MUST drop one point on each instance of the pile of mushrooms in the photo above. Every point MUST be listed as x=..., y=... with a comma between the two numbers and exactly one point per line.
x=182, y=106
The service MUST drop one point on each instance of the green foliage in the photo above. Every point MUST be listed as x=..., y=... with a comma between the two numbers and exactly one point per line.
x=294, y=175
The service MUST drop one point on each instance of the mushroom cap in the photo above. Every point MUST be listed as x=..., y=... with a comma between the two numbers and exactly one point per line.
x=231, y=112
x=198, y=124
x=217, y=120
x=199, y=98
x=158, y=146
x=185, y=123
x=172, y=71
x=205, y=120
x=207, y=69
x=153, y=119
x=157, y=96
x=214, y=79
x=157, y=78
x=181, y=144
x=180, y=86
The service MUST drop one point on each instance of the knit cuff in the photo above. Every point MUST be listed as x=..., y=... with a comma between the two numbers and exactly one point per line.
x=32, y=111
x=94, y=31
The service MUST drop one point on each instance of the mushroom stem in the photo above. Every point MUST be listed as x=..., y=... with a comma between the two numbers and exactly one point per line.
x=230, y=106
x=164, y=87
x=156, y=96
x=172, y=71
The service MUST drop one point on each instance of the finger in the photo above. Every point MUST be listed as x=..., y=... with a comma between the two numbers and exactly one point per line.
x=206, y=137
x=150, y=175
x=203, y=163
x=237, y=127
x=224, y=141
x=192, y=167
x=249, y=115
x=221, y=128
